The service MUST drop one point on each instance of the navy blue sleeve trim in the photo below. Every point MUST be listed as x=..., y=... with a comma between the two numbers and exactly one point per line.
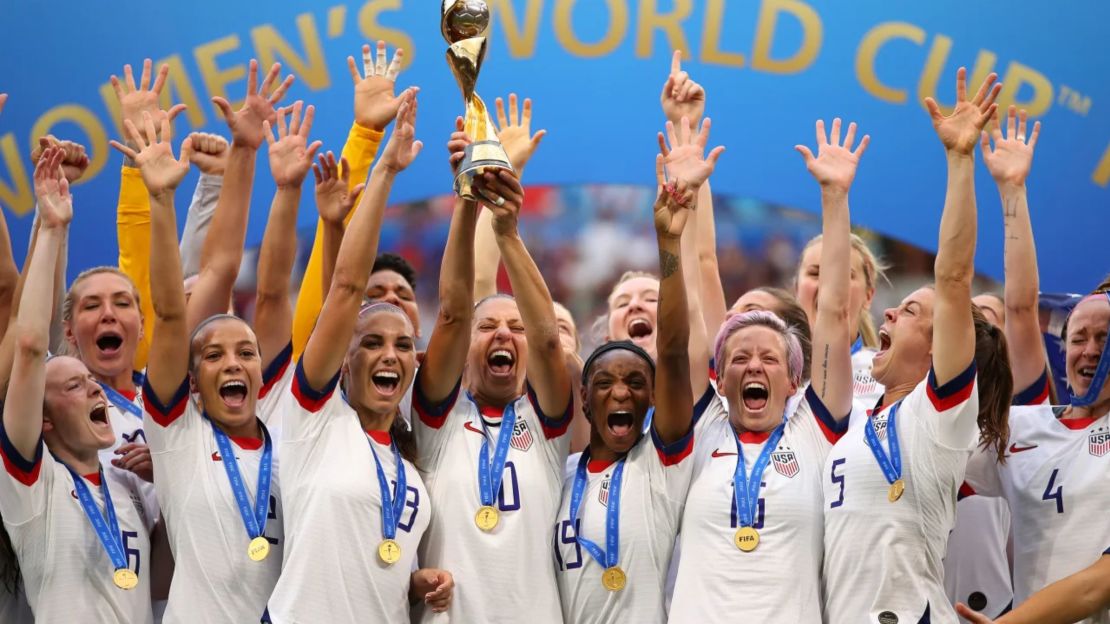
x=306, y=390
x=824, y=416
x=15, y=457
x=702, y=405
x=152, y=402
x=958, y=384
x=552, y=427
x=438, y=410
x=277, y=365
x=1035, y=393
x=677, y=449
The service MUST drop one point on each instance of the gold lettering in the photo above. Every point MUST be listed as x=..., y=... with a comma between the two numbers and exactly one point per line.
x=271, y=47
x=869, y=48
x=934, y=67
x=711, y=51
x=812, y=35
x=521, y=37
x=370, y=28
x=216, y=79
x=19, y=198
x=1018, y=75
x=1101, y=176
x=564, y=29
x=97, y=145
x=651, y=20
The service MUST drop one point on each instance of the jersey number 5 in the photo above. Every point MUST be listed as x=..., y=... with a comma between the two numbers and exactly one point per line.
x=837, y=479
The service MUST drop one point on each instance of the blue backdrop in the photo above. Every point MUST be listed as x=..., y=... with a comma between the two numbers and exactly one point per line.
x=594, y=69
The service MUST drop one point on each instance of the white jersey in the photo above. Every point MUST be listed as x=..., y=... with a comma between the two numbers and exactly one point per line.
x=653, y=490
x=1055, y=481
x=780, y=581
x=884, y=560
x=126, y=416
x=977, y=567
x=333, y=521
x=489, y=567
x=213, y=580
x=865, y=390
x=67, y=575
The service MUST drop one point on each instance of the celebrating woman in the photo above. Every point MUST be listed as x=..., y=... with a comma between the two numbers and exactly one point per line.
x=891, y=482
x=77, y=528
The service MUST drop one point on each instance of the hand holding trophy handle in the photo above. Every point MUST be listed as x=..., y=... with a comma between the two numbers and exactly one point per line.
x=462, y=24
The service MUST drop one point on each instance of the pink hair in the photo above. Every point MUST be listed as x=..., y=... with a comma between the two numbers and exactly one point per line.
x=761, y=318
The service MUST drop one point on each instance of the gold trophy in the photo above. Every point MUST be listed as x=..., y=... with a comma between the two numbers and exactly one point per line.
x=462, y=24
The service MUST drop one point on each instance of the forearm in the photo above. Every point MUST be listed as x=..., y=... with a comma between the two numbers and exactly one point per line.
x=36, y=303
x=9, y=274
x=697, y=344
x=273, y=314
x=57, y=331
x=832, y=365
x=714, y=306
x=198, y=220
x=953, y=328
x=1022, y=325
x=133, y=232
x=1068, y=600
x=457, y=292
x=167, y=293
x=332, y=239
x=674, y=395
x=487, y=257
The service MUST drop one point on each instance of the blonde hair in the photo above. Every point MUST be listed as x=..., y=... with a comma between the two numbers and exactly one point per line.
x=874, y=269
x=67, y=303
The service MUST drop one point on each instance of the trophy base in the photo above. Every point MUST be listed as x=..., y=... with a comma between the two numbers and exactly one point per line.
x=480, y=157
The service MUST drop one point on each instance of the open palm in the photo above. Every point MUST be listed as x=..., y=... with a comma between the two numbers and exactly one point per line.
x=835, y=164
x=376, y=103
x=55, y=204
x=515, y=131
x=685, y=158
x=246, y=123
x=161, y=172
x=1012, y=156
x=959, y=131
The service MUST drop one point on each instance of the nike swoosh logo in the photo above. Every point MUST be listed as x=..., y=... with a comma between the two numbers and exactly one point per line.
x=718, y=453
x=469, y=427
x=1014, y=448
x=216, y=457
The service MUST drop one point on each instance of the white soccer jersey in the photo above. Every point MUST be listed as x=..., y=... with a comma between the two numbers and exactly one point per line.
x=126, y=416
x=653, y=490
x=780, y=581
x=865, y=390
x=1055, y=482
x=504, y=575
x=977, y=566
x=214, y=580
x=67, y=575
x=884, y=560
x=333, y=521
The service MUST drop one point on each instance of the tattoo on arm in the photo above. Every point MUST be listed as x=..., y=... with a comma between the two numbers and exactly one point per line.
x=668, y=264
x=825, y=374
x=1009, y=209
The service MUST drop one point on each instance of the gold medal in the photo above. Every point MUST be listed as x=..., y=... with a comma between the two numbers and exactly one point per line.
x=746, y=539
x=896, y=490
x=125, y=579
x=389, y=552
x=487, y=518
x=258, y=549
x=614, y=578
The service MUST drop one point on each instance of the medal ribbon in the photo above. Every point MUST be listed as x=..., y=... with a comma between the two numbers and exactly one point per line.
x=253, y=519
x=392, y=506
x=857, y=345
x=611, y=556
x=489, y=474
x=121, y=401
x=745, y=492
x=1101, y=373
x=107, y=529
x=890, y=465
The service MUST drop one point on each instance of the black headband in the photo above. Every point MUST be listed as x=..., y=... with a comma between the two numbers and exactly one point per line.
x=626, y=345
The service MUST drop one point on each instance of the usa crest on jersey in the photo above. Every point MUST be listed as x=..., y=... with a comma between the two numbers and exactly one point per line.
x=1099, y=442
x=603, y=493
x=785, y=463
x=522, y=436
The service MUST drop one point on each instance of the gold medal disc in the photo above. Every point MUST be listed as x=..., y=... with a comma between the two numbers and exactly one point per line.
x=258, y=549
x=746, y=539
x=614, y=578
x=125, y=579
x=389, y=552
x=487, y=518
x=896, y=490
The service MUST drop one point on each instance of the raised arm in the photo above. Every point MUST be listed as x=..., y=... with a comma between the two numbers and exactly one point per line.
x=1009, y=163
x=834, y=168
x=23, y=405
x=547, y=369
x=515, y=133
x=210, y=157
x=290, y=159
x=223, y=247
x=450, y=340
x=953, y=328
x=328, y=343
x=1083, y=594
x=335, y=199
x=162, y=173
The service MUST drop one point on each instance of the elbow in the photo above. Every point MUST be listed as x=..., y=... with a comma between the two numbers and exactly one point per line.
x=346, y=285
x=32, y=343
x=270, y=296
x=954, y=279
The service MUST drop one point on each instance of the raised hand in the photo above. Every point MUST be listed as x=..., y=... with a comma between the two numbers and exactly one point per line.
x=515, y=132
x=835, y=165
x=682, y=97
x=74, y=162
x=52, y=189
x=290, y=154
x=402, y=148
x=673, y=203
x=685, y=158
x=134, y=101
x=960, y=131
x=502, y=193
x=1012, y=157
x=333, y=199
x=246, y=123
x=210, y=152
x=375, y=102
x=456, y=145
x=160, y=170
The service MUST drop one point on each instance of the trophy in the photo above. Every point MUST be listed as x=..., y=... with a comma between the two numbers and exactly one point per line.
x=462, y=24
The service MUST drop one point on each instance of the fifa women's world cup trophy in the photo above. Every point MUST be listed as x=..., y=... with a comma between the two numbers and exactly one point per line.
x=462, y=24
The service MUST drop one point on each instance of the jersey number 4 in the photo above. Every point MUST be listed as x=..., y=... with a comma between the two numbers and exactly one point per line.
x=1057, y=494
